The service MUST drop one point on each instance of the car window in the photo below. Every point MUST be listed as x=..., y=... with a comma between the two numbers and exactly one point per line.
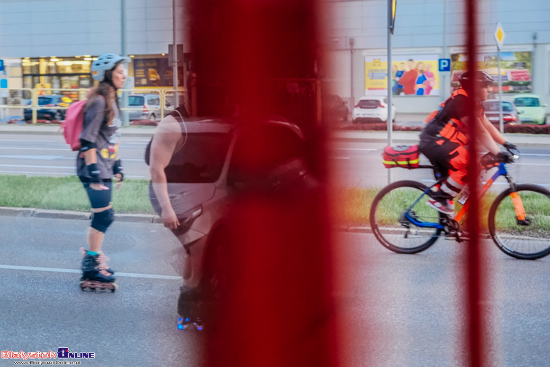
x=493, y=106
x=368, y=103
x=527, y=102
x=155, y=101
x=44, y=101
x=136, y=101
x=201, y=158
x=260, y=149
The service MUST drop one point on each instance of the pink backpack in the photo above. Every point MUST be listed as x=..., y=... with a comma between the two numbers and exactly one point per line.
x=72, y=126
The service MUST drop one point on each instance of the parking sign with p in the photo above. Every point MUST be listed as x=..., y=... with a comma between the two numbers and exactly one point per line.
x=444, y=64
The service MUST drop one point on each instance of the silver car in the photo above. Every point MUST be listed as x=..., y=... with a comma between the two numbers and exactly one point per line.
x=149, y=107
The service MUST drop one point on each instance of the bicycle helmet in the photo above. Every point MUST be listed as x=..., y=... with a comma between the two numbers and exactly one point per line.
x=105, y=63
x=479, y=76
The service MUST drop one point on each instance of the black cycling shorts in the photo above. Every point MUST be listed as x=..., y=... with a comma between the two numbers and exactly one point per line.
x=98, y=198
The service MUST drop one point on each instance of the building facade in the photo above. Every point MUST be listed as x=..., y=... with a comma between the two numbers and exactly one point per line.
x=51, y=43
x=429, y=30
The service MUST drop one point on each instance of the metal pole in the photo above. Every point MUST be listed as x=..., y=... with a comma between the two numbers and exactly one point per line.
x=175, y=55
x=443, y=77
x=389, y=119
x=500, y=93
x=351, y=43
x=123, y=52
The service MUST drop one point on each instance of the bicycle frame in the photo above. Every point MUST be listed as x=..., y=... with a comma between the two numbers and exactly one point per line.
x=502, y=171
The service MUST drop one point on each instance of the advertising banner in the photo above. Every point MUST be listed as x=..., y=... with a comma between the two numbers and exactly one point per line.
x=411, y=75
x=515, y=70
x=155, y=72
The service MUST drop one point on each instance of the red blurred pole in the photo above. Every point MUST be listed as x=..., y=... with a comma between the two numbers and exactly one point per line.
x=278, y=310
x=474, y=260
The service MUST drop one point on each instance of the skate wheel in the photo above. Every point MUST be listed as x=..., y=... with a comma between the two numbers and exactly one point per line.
x=115, y=287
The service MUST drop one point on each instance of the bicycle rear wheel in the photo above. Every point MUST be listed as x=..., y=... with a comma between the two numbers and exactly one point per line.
x=529, y=240
x=389, y=225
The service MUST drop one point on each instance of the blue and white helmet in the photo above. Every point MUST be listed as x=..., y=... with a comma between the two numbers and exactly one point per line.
x=105, y=63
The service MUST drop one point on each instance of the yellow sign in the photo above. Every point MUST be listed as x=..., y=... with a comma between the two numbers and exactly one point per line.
x=499, y=35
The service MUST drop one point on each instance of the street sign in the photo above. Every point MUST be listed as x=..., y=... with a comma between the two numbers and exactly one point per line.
x=444, y=64
x=1, y=65
x=499, y=35
x=4, y=83
x=393, y=9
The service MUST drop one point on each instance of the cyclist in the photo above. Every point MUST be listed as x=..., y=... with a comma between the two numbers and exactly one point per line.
x=444, y=140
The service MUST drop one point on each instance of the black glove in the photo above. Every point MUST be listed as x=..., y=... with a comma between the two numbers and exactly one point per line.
x=94, y=172
x=505, y=157
x=117, y=169
x=512, y=148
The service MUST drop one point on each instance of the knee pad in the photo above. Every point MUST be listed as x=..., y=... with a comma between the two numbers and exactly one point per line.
x=102, y=220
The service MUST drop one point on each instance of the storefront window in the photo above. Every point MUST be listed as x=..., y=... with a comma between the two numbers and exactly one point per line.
x=57, y=73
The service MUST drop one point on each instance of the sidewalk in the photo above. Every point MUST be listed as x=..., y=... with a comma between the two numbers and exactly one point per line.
x=398, y=137
x=133, y=131
x=412, y=137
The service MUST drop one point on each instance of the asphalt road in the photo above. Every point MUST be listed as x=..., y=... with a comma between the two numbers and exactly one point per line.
x=408, y=310
x=394, y=310
x=354, y=164
x=43, y=307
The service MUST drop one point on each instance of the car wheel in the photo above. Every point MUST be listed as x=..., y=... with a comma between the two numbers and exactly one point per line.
x=152, y=117
x=345, y=118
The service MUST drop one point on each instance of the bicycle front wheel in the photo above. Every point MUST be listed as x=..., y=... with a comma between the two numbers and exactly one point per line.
x=529, y=239
x=391, y=228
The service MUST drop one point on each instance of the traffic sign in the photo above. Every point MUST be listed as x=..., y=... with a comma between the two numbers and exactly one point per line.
x=444, y=64
x=499, y=35
x=1, y=65
x=4, y=83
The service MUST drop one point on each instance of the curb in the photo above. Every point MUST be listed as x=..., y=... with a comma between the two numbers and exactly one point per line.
x=74, y=215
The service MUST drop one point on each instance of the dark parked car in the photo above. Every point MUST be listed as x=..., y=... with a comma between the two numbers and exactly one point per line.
x=334, y=107
x=49, y=113
x=510, y=115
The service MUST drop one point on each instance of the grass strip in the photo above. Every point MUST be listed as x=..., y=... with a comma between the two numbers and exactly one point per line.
x=67, y=193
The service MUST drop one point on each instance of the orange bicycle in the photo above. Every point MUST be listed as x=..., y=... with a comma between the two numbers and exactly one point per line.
x=518, y=220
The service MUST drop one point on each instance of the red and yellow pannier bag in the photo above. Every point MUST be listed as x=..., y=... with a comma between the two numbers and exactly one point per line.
x=405, y=156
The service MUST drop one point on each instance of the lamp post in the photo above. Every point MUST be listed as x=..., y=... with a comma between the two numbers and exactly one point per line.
x=351, y=44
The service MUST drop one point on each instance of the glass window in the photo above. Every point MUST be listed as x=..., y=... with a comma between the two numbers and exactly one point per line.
x=527, y=102
x=493, y=106
x=136, y=101
x=201, y=159
x=368, y=103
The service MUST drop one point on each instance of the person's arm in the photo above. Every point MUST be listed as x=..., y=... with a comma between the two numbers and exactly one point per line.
x=483, y=136
x=93, y=118
x=163, y=145
x=493, y=131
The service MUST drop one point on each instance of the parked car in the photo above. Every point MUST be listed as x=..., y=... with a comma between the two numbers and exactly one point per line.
x=531, y=109
x=372, y=109
x=150, y=107
x=509, y=113
x=49, y=113
x=334, y=107
x=214, y=165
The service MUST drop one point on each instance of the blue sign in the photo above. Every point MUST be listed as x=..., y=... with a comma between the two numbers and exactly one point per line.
x=3, y=83
x=444, y=64
x=1, y=65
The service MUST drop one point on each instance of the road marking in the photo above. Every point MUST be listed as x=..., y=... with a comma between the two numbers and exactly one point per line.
x=73, y=271
x=497, y=183
x=39, y=157
x=53, y=174
x=361, y=149
x=31, y=166
x=24, y=148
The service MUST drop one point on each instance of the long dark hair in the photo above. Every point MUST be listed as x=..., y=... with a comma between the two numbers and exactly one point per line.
x=105, y=89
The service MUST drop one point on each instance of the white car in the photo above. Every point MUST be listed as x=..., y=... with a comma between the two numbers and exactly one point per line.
x=372, y=109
